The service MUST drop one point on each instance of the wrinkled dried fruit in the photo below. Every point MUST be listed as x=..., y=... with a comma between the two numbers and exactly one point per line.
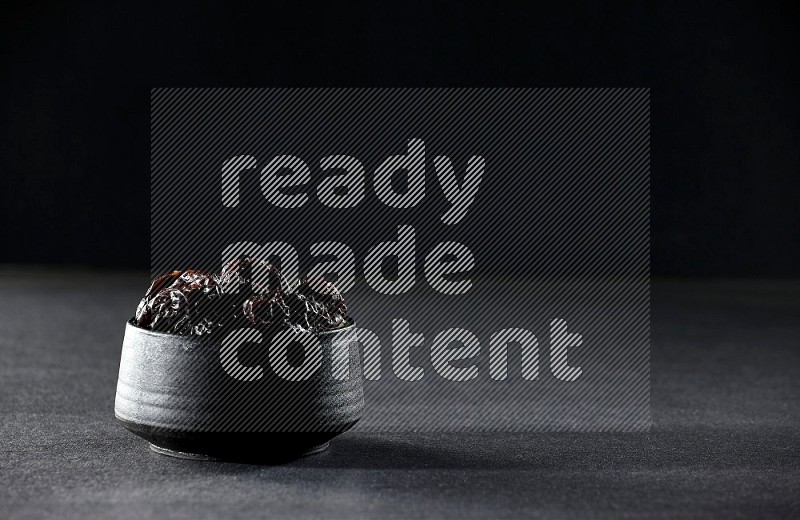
x=315, y=304
x=249, y=291
x=266, y=309
x=181, y=302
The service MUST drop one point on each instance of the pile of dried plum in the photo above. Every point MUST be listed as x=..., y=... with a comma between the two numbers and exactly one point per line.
x=248, y=292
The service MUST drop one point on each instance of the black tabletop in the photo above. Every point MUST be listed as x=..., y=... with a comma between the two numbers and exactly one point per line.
x=725, y=395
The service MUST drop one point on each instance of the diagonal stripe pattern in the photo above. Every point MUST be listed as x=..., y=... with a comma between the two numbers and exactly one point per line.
x=546, y=189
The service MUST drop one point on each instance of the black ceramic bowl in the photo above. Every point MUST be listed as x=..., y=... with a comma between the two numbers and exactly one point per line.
x=175, y=392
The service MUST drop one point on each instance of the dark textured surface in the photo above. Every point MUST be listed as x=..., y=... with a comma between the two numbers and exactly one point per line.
x=725, y=440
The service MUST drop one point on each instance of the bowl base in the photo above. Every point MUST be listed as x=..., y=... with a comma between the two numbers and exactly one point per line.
x=210, y=458
x=248, y=447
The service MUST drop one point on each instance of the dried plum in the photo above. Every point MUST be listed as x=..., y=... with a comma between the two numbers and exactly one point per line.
x=181, y=302
x=315, y=304
x=249, y=291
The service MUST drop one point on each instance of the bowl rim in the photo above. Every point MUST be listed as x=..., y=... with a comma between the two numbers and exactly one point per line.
x=351, y=324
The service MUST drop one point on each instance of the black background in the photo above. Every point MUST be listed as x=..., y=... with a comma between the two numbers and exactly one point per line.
x=76, y=79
